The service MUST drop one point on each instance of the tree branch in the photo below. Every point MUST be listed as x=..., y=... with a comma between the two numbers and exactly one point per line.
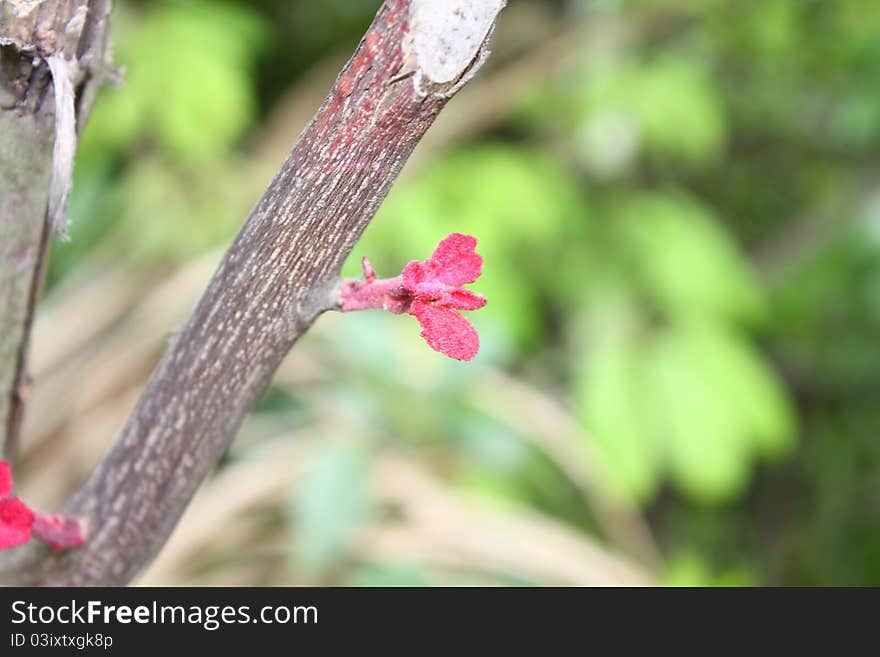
x=53, y=57
x=277, y=277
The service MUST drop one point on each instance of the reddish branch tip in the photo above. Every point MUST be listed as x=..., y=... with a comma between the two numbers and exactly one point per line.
x=432, y=292
x=18, y=522
x=59, y=531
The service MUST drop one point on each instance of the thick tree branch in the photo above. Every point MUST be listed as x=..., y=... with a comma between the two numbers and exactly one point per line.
x=53, y=57
x=277, y=277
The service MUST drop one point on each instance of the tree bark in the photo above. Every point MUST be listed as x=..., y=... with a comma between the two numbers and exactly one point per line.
x=53, y=57
x=280, y=273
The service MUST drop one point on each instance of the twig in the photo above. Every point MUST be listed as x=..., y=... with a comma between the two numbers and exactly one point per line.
x=53, y=57
x=276, y=278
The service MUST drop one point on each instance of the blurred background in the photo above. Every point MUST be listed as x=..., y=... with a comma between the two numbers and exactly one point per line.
x=677, y=205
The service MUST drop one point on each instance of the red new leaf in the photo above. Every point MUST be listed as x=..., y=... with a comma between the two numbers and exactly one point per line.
x=18, y=522
x=432, y=292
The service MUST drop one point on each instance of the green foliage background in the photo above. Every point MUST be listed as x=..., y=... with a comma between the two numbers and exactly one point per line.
x=682, y=248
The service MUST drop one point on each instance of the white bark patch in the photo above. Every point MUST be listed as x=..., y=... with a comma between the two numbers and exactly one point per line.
x=77, y=21
x=63, y=72
x=23, y=8
x=448, y=37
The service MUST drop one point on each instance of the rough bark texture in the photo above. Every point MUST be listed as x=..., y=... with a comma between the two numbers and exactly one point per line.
x=277, y=277
x=44, y=46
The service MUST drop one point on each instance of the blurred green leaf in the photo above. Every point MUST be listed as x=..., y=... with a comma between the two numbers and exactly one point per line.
x=330, y=506
x=692, y=400
x=677, y=107
x=741, y=378
x=691, y=569
x=715, y=407
x=611, y=399
x=188, y=80
x=668, y=106
x=687, y=261
x=706, y=453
